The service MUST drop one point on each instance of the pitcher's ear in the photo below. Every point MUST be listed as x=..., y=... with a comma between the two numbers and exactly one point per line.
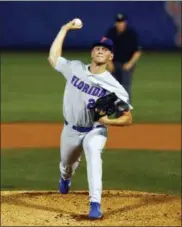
x=111, y=56
x=92, y=52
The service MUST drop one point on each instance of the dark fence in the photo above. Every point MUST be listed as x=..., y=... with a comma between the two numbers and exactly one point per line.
x=35, y=24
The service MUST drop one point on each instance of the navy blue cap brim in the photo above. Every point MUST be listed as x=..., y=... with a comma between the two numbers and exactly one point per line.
x=104, y=45
x=120, y=20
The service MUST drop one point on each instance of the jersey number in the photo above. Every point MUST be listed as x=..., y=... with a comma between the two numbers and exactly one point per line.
x=91, y=103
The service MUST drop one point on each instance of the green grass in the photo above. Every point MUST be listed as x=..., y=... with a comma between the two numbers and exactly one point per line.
x=122, y=169
x=32, y=91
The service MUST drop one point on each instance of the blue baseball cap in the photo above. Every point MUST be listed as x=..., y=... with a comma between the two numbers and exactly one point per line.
x=120, y=17
x=106, y=42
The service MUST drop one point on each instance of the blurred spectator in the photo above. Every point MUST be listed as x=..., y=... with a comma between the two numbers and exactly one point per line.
x=126, y=51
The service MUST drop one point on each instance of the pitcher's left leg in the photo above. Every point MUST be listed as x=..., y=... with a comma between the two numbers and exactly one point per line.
x=93, y=145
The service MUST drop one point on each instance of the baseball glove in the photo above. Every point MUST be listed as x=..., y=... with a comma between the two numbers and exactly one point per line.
x=108, y=105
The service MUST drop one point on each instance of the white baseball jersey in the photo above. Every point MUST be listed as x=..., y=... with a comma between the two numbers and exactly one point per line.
x=80, y=93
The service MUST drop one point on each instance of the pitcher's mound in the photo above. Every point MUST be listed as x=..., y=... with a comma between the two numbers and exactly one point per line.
x=121, y=208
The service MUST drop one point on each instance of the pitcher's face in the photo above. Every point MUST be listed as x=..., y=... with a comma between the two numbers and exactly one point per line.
x=101, y=55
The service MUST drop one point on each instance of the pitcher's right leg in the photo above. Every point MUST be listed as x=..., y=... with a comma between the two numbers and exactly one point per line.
x=70, y=150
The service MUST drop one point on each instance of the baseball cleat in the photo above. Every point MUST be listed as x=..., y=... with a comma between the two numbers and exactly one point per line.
x=95, y=211
x=64, y=185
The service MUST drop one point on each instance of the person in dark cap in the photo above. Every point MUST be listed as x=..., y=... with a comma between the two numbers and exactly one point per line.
x=83, y=129
x=127, y=51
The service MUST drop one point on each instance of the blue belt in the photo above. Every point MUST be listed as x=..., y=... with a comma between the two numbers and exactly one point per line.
x=83, y=129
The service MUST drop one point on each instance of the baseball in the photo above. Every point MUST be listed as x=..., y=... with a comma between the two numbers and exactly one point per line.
x=78, y=22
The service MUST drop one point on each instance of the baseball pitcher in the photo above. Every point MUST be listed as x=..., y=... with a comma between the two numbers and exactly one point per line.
x=91, y=96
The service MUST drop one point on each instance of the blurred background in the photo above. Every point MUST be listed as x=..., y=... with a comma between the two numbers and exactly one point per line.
x=33, y=25
x=31, y=91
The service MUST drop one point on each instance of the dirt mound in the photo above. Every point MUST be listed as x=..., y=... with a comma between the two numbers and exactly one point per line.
x=121, y=208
